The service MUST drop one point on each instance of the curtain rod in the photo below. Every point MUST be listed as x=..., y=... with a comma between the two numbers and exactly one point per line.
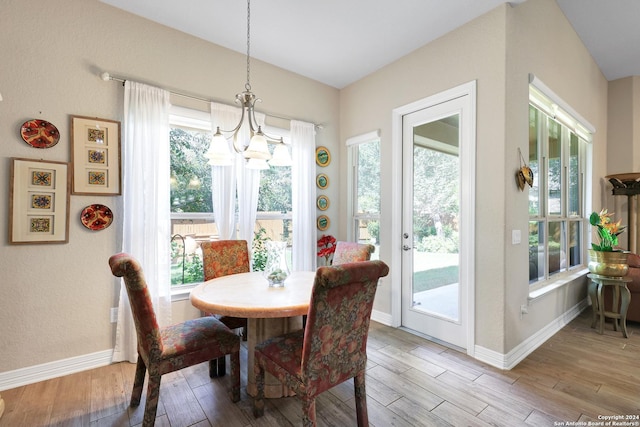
x=106, y=77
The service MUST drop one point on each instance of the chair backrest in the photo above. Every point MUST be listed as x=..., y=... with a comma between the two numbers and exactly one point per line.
x=125, y=266
x=335, y=337
x=224, y=257
x=352, y=252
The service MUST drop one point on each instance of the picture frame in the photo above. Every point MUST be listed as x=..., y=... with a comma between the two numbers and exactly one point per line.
x=322, y=181
x=95, y=156
x=322, y=202
x=323, y=156
x=39, y=202
x=323, y=222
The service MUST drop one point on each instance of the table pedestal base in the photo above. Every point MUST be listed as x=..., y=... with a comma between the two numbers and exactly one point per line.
x=260, y=330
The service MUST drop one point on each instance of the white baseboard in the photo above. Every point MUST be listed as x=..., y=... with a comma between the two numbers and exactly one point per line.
x=511, y=359
x=380, y=317
x=59, y=368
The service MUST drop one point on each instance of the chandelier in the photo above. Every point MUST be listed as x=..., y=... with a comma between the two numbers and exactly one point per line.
x=257, y=152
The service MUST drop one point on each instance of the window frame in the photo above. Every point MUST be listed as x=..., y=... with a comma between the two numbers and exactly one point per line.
x=199, y=120
x=354, y=217
x=551, y=108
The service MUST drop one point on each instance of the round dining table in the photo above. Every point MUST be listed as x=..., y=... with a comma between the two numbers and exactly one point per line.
x=271, y=311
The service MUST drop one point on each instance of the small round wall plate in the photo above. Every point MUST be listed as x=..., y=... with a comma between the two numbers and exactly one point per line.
x=323, y=157
x=322, y=202
x=96, y=217
x=39, y=133
x=322, y=181
x=323, y=222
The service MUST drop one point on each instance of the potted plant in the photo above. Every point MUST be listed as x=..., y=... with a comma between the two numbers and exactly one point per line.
x=604, y=258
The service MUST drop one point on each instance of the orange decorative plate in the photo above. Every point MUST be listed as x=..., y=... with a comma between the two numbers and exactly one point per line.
x=96, y=217
x=39, y=133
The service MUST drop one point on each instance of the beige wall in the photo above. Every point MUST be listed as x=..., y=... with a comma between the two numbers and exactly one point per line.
x=498, y=50
x=542, y=42
x=56, y=298
x=624, y=125
x=473, y=52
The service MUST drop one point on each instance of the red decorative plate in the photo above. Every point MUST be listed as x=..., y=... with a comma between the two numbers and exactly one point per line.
x=96, y=217
x=39, y=133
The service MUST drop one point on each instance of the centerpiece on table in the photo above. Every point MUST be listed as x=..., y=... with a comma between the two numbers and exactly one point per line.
x=604, y=259
x=276, y=269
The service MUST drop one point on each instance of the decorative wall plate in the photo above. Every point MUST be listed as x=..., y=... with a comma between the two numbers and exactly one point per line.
x=96, y=217
x=322, y=181
x=322, y=202
x=323, y=157
x=39, y=133
x=323, y=222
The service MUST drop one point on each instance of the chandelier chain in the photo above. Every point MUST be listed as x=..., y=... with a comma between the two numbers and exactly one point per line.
x=248, y=84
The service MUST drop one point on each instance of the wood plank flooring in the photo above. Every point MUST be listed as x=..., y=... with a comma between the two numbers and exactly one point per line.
x=577, y=377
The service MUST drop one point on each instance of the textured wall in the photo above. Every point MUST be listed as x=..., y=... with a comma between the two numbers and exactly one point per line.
x=56, y=298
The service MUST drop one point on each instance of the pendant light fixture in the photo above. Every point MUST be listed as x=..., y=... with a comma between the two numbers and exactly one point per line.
x=257, y=151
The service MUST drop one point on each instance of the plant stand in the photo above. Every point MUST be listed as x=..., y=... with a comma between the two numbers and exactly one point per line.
x=620, y=290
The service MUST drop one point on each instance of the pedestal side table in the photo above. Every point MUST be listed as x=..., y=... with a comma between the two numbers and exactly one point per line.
x=621, y=299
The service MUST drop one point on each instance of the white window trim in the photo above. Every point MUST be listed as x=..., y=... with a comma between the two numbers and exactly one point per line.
x=542, y=97
x=351, y=196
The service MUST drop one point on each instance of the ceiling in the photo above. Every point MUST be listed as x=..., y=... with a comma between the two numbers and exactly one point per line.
x=338, y=42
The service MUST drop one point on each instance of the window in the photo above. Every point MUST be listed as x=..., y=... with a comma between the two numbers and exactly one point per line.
x=273, y=219
x=558, y=146
x=192, y=217
x=364, y=190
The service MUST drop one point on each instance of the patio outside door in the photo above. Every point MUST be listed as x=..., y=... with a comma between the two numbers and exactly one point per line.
x=434, y=272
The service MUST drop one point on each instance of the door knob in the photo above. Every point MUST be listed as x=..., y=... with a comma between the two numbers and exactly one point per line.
x=406, y=247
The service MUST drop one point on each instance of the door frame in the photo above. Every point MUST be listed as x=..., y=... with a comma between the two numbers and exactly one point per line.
x=467, y=199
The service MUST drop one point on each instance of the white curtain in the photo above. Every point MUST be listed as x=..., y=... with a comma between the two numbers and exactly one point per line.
x=146, y=206
x=304, y=246
x=224, y=177
x=248, y=186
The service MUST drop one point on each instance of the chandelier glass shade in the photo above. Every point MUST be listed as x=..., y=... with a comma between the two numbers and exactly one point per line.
x=257, y=150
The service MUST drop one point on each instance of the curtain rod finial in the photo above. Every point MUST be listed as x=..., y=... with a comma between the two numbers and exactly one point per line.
x=105, y=76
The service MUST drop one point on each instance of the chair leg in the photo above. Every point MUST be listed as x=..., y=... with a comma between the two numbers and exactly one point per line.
x=361, y=400
x=153, y=395
x=235, y=376
x=138, y=382
x=308, y=412
x=258, y=400
x=217, y=367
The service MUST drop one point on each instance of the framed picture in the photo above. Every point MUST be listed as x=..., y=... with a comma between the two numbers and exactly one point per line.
x=95, y=156
x=323, y=157
x=322, y=202
x=39, y=202
x=322, y=181
x=323, y=222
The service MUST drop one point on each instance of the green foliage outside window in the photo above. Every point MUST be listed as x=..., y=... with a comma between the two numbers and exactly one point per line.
x=259, y=248
x=190, y=172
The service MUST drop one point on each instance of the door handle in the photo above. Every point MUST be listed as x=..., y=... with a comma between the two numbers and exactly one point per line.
x=406, y=248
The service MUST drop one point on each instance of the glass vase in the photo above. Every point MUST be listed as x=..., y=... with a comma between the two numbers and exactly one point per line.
x=276, y=270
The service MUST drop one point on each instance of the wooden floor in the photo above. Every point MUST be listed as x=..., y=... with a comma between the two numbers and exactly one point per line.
x=577, y=376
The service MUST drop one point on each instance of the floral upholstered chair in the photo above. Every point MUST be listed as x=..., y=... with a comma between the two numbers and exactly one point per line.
x=166, y=349
x=222, y=258
x=352, y=252
x=333, y=346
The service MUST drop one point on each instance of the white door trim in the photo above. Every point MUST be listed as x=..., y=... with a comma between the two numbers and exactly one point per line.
x=467, y=197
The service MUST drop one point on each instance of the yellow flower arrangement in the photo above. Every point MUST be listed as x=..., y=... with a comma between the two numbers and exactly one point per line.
x=607, y=230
